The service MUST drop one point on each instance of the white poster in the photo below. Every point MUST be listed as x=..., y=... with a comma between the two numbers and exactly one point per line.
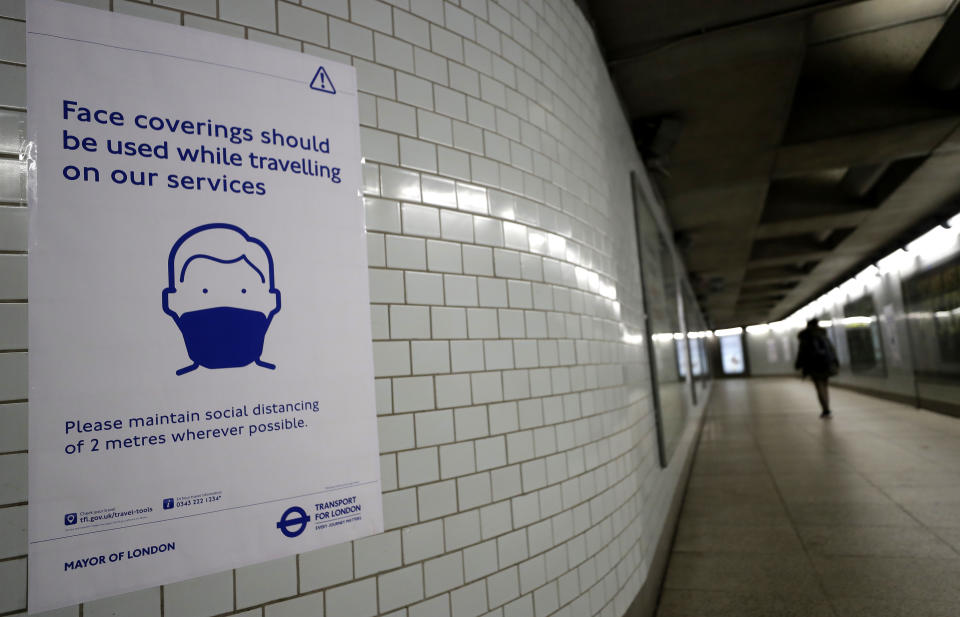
x=201, y=373
x=772, y=356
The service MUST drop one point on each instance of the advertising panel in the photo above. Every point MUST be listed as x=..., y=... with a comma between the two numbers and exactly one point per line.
x=201, y=373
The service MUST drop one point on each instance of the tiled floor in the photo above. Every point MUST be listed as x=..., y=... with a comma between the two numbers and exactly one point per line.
x=790, y=515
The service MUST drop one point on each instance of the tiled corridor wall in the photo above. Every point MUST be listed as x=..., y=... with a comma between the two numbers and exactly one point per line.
x=519, y=460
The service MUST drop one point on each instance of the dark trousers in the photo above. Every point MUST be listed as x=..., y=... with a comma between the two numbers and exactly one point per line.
x=823, y=395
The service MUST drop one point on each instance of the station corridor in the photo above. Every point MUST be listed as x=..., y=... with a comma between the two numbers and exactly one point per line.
x=790, y=515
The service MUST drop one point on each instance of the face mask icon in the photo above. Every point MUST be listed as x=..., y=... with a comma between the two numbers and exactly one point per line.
x=220, y=293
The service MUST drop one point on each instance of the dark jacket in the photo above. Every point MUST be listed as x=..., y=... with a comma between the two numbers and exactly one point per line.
x=816, y=356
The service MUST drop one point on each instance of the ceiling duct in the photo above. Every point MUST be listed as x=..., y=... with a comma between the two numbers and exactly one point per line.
x=656, y=138
x=940, y=66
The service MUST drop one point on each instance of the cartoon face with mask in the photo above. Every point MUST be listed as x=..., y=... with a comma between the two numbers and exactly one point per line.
x=220, y=293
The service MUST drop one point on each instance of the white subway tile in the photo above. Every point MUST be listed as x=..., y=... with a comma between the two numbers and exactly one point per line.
x=523, y=607
x=13, y=376
x=487, y=387
x=377, y=553
x=379, y=146
x=388, y=479
x=450, y=102
x=470, y=422
x=502, y=587
x=357, y=599
x=434, y=427
x=400, y=509
x=267, y=581
x=404, y=252
x=13, y=426
x=399, y=55
x=484, y=171
x=506, y=482
x=448, y=322
x=400, y=183
x=418, y=466
x=520, y=446
x=257, y=13
x=482, y=323
x=150, y=12
x=372, y=14
x=469, y=138
x=351, y=38
x=469, y=601
x=482, y=114
x=421, y=542
x=434, y=607
x=300, y=23
x=460, y=290
x=375, y=79
x=412, y=393
x=443, y=573
x=445, y=43
x=415, y=91
x=526, y=509
x=457, y=460
x=479, y=58
x=436, y=500
x=310, y=605
x=491, y=453
x=396, y=117
x=503, y=417
x=546, y=599
x=430, y=66
x=481, y=559
x=386, y=286
x=391, y=358
x=516, y=384
x=411, y=28
x=512, y=548
x=464, y=79
x=444, y=257
x=461, y=530
x=533, y=573
x=409, y=322
x=13, y=531
x=339, y=8
x=473, y=490
x=454, y=164
x=458, y=226
x=459, y=21
x=396, y=432
x=145, y=602
x=471, y=198
x=13, y=277
x=424, y=288
x=13, y=93
x=199, y=597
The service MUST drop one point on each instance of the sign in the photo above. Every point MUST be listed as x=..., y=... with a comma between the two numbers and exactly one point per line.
x=201, y=372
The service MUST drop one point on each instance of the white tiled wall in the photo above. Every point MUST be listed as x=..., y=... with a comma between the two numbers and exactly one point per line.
x=519, y=458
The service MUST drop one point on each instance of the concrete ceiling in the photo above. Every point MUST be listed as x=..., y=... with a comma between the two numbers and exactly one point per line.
x=794, y=141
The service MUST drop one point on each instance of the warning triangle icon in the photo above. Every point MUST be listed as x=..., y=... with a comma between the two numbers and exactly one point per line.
x=322, y=82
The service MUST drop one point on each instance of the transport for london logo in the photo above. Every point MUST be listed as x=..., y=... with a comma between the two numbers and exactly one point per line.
x=293, y=522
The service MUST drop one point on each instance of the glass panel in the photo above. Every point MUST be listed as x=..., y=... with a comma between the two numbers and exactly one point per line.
x=662, y=316
x=863, y=337
x=932, y=303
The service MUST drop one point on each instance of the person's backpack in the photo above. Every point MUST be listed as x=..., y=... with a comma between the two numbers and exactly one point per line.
x=822, y=355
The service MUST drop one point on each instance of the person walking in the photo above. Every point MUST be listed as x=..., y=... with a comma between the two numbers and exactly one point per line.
x=818, y=359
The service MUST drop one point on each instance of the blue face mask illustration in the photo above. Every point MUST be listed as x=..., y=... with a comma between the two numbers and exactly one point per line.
x=221, y=295
x=223, y=337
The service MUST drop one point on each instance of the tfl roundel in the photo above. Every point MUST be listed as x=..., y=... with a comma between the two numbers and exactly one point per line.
x=293, y=522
